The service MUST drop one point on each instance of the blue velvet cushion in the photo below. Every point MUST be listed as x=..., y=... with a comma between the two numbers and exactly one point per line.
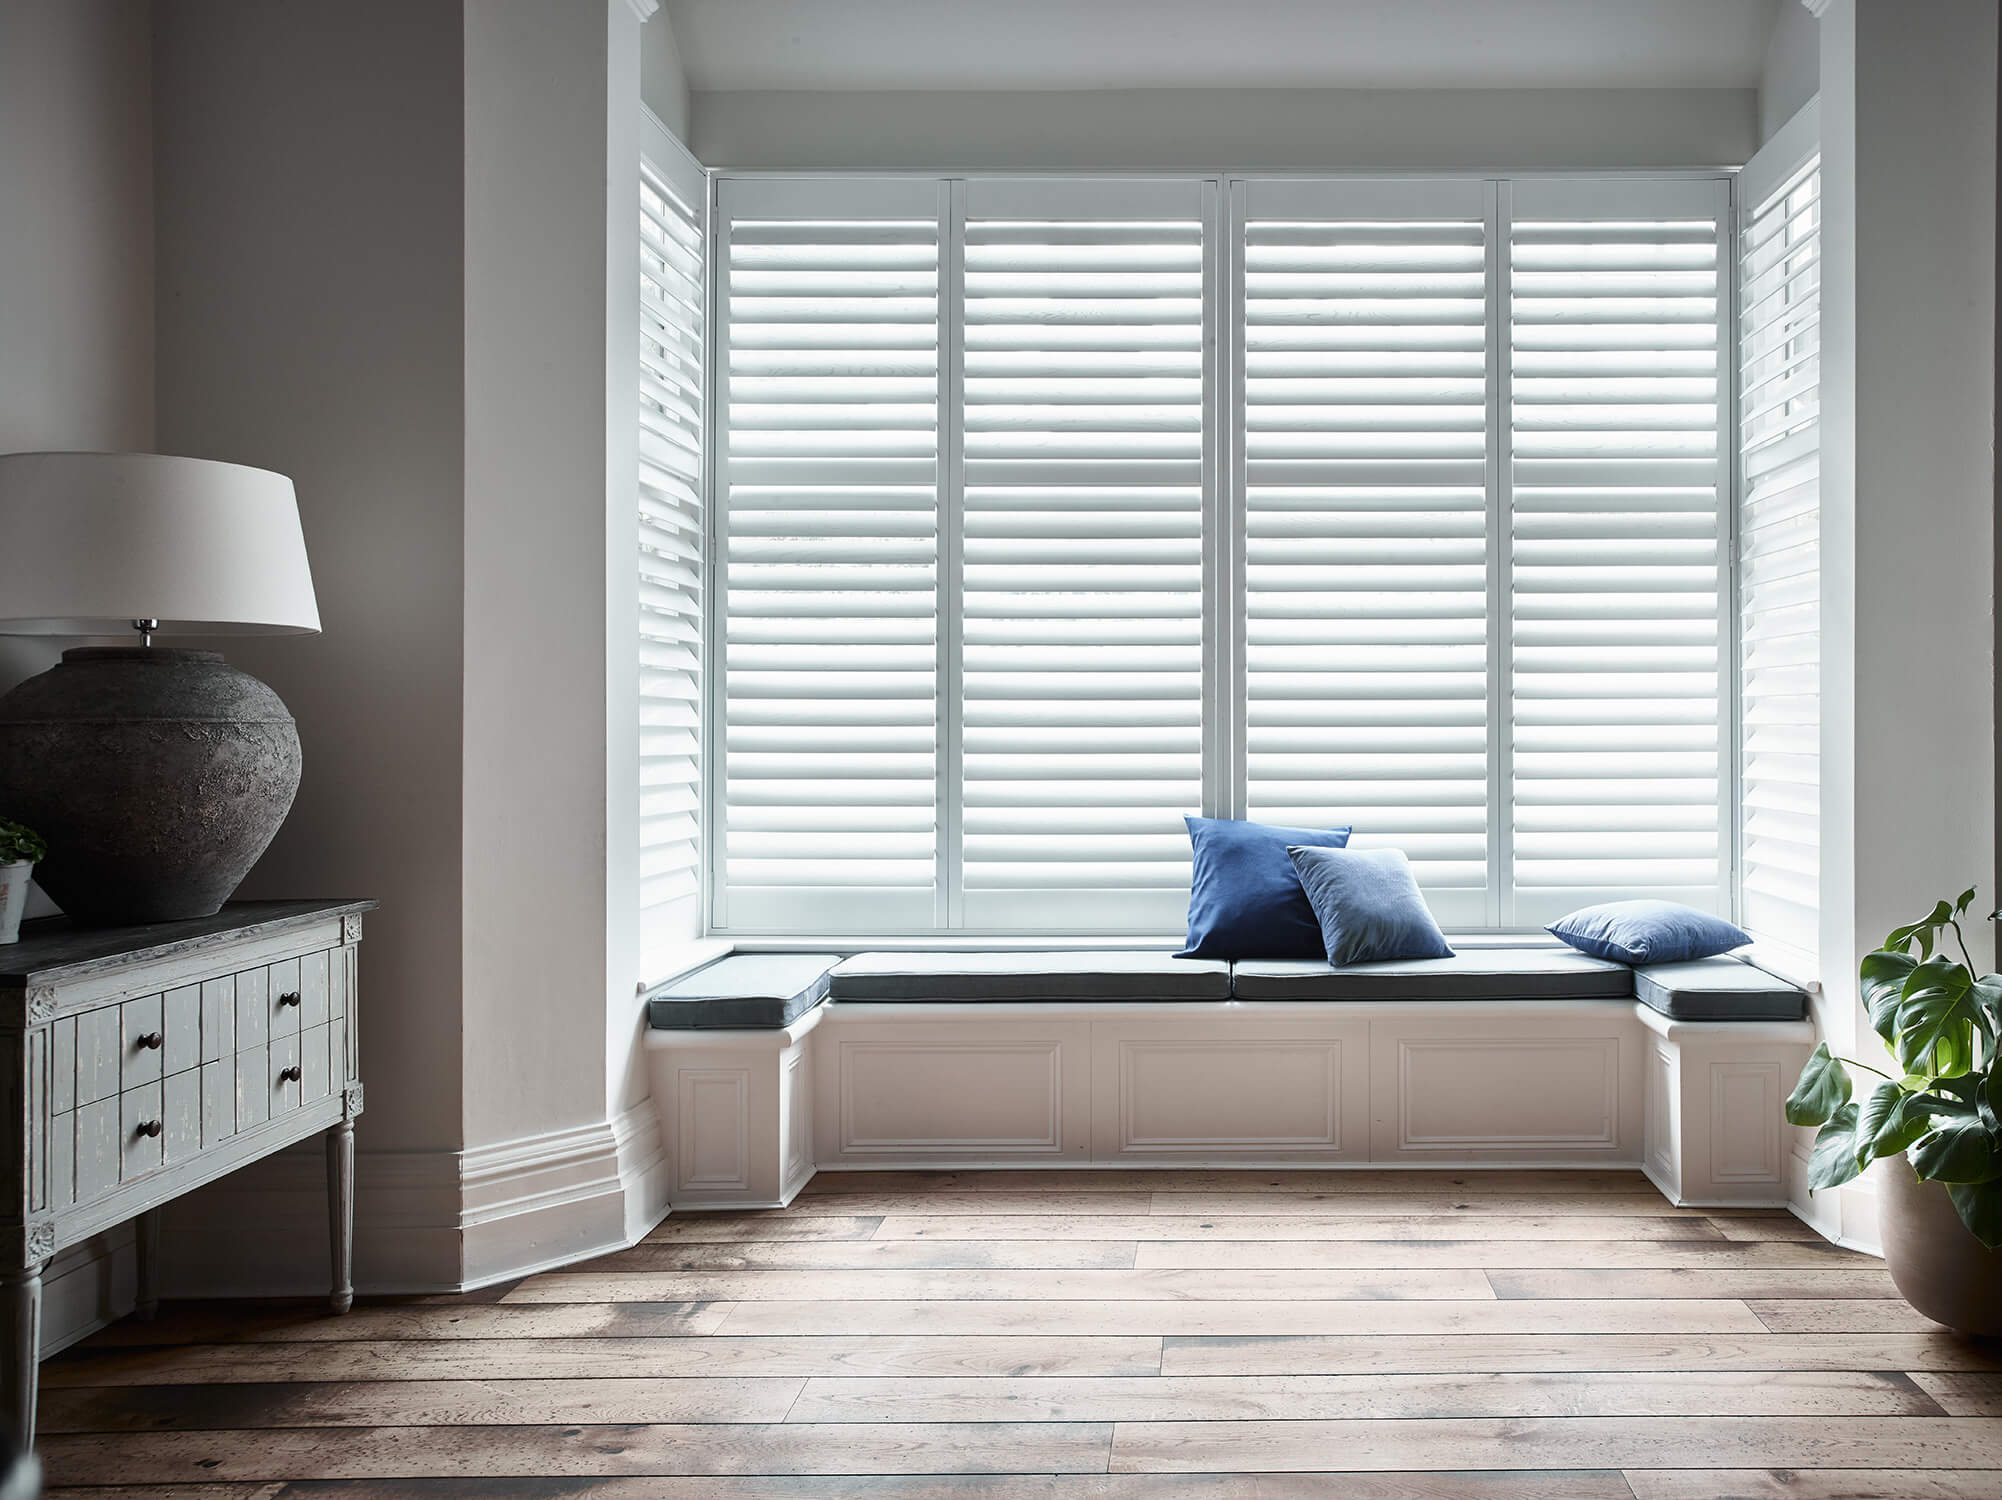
x=1369, y=905
x=1244, y=899
x=1648, y=932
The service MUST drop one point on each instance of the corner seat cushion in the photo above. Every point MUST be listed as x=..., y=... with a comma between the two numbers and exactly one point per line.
x=1476, y=974
x=976, y=977
x=746, y=991
x=1718, y=989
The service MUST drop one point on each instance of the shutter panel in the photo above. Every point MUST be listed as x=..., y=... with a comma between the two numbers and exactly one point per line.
x=1779, y=553
x=1366, y=519
x=1618, y=578
x=673, y=247
x=828, y=544
x=1084, y=482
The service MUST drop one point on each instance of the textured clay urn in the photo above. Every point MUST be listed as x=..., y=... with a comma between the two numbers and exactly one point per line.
x=157, y=775
x=1938, y=1265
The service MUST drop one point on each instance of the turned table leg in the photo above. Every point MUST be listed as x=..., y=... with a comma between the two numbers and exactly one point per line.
x=21, y=1306
x=341, y=1212
x=147, y=1304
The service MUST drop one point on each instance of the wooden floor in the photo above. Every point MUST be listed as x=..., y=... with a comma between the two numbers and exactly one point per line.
x=1084, y=1336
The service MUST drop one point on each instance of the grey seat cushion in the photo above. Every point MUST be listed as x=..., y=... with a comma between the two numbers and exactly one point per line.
x=746, y=991
x=1718, y=989
x=1477, y=974
x=1030, y=976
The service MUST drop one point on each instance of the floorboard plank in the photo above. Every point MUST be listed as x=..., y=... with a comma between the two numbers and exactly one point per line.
x=311, y=1323
x=1342, y=1354
x=1556, y=1443
x=1220, y=1285
x=1964, y=1395
x=1871, y=1281
x=482, y=1452
x=1648, y=1204
x=426, y=1403
x=1490, y=1255
x=1841, y=1315
x=1325, y=1398
x=1150, y=1228
x=770, y=1224
x=809, y=1319
x=1814, y=1484
x=1235, y=1180
x=862, y=1255
x=591, y=1359
x=1529, y=1485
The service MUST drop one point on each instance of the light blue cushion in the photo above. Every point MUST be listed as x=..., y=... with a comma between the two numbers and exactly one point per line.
x=1369, y=905
x=1245, y=900
x=1648, y=932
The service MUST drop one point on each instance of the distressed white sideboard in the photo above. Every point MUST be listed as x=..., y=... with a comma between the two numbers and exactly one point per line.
x=138, y=1063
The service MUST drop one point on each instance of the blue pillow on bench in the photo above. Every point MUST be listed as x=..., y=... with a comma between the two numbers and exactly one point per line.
x=1369, y=905
x=1245, y=900
x=1648, y=932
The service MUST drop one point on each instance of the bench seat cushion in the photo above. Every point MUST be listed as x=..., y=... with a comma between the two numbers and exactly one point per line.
x=1477, y=974
x=1030, y=976
x=746, y=991
x=1718, y=989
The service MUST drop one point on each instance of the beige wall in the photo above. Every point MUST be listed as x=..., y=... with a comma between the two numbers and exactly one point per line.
x=1226, y=129
x=310, y=321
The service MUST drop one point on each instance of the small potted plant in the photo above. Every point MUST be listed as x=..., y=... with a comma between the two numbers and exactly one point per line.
x=1936, y=1126
x=20, y=849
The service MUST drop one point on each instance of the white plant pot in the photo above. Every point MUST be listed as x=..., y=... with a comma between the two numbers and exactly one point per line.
x=13, y=897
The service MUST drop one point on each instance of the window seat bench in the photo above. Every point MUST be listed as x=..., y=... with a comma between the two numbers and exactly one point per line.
x=766, y=1067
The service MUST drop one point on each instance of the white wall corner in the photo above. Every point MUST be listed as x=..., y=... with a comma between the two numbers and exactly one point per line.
x=1815, y=8
x=644, y=9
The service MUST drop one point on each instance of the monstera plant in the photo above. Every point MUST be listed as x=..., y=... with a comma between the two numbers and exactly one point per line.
x=1943, y=1110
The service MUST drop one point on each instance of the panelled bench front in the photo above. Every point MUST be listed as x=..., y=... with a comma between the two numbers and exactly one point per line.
x=766, y=1067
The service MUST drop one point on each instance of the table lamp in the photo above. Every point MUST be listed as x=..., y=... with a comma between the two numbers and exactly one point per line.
x=157, y=775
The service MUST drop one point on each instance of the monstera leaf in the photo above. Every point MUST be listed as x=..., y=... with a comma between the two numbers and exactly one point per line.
x=1980, y=1206
x=1823, y=1089
x=1884, y=974
x=1938, y=1018
x=1960, y=1149
x=1888, y=1122
x=1833, y=1160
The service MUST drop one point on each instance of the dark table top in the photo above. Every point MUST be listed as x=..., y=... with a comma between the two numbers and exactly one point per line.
x=53, y=949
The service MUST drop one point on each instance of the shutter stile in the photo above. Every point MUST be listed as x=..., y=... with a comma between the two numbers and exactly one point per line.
x=1616, y=539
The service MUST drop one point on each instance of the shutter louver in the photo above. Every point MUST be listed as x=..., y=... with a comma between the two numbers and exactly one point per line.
x=672, y=293
x=1365, y=550
x=829, y=563
x=1082, y=560
x=1617, y=566
x=1779, y=551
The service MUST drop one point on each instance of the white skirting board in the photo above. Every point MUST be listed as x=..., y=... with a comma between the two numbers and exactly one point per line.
x=749, y=1115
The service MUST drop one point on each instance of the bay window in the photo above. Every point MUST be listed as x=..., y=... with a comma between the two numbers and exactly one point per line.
x=1050, y=510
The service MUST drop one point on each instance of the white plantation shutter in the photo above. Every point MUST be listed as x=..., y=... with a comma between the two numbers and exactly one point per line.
x=673, y=291
x=1779, y=555
x=828, y=549
x=1082, y=551
x=1618, y=577
x=1364, y=394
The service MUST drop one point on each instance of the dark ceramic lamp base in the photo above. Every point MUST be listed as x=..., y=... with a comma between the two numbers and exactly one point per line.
x=157, y=775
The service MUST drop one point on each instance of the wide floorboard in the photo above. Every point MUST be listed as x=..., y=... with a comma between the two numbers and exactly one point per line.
x=1091, y=1335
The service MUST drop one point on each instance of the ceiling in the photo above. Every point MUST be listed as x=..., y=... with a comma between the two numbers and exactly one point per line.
x=1158, y=44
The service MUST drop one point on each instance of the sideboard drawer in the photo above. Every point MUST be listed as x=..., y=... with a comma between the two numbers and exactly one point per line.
x=141, y=1041
x=142, y=1128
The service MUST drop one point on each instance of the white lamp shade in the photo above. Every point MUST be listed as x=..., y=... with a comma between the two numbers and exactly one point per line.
x=90, y=542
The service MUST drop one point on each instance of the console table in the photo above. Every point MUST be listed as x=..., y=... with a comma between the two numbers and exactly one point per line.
x=138, y=1063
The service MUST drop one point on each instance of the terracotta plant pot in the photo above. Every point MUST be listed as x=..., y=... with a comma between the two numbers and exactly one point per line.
x=1938, y=1265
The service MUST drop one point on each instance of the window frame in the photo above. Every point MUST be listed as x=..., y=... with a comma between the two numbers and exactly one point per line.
x=1224, y=774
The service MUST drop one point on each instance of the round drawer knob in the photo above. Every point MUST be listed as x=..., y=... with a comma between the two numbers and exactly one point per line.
x=289, y=1075
x=290, y=997
x=151, y=1041
x=149, y=1128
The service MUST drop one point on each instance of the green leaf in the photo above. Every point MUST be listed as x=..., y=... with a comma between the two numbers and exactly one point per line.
x=1937, y=1009
x=1966, y=900
x=1980, y=1206
x=1961, y=1150
x=1824, y=1088
x=1884, y=974
x=1885, y=1125
x=1833, y=1160
x=1988, y=995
